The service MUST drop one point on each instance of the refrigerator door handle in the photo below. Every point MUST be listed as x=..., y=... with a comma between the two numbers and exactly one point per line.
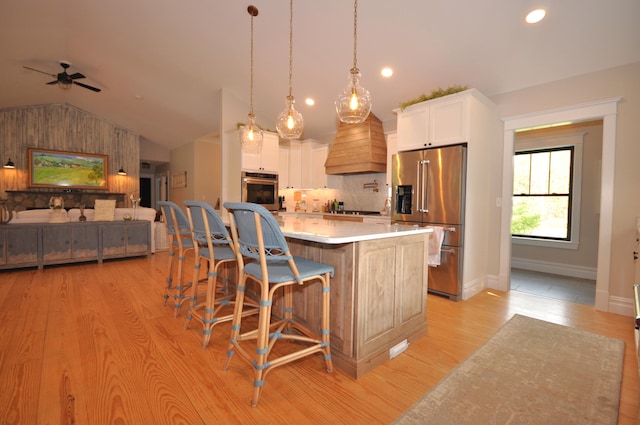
x=423, y=186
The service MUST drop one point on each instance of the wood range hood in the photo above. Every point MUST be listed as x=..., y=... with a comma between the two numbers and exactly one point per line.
x=358, y=148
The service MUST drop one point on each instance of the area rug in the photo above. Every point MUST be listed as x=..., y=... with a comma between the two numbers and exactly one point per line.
x=529, y=372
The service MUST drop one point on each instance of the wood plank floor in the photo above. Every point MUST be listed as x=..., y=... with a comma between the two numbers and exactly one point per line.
x=92, y=344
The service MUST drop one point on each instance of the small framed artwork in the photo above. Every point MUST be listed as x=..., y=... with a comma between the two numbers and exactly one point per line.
x=179, y=180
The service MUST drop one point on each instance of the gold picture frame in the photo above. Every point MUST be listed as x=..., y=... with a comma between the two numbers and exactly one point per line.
x=70, y=170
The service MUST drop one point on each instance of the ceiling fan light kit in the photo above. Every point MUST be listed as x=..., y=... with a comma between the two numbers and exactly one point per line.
x=64, y=80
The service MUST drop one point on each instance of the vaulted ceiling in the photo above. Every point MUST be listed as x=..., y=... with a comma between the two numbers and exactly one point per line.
x=161, y=64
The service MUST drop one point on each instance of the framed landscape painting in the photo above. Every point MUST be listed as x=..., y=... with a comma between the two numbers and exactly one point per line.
x=70, y=170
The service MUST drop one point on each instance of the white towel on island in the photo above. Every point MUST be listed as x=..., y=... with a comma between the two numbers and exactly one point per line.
x=435, y=245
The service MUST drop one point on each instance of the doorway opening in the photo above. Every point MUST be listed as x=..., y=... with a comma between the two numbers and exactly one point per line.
x=554, y=221
x=605, y=110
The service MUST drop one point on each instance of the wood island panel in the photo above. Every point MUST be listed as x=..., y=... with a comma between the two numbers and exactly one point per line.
x=378, y=297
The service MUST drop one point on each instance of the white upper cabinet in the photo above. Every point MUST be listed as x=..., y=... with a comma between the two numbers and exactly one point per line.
x=283, y=165
x=392, y=148
x=437, y=122
x=448, y=121
x=305, y=167
x=413, y=127
x=289, y=164
x=267, y=159
x=319, y=154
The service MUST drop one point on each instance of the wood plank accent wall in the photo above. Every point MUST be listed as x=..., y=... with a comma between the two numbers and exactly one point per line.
x=67, y=128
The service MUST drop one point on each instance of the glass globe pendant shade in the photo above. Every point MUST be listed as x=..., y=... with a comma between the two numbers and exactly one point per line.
x=290, y=122
x=354, y=103
x=251, y=138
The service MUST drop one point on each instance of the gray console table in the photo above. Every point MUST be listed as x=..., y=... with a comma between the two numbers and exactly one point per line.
x=41, y=244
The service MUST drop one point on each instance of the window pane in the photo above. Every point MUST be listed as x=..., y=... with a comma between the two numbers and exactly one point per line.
x=541, y=216
x=521, y=170
x=560, y=171
x=540, y=173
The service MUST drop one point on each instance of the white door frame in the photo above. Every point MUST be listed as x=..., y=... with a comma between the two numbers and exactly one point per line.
x=605, y=110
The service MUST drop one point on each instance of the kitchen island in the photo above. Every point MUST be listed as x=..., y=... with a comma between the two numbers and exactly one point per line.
x=378, y=292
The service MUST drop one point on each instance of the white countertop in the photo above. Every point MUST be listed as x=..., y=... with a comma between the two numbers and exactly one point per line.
x=317, y=229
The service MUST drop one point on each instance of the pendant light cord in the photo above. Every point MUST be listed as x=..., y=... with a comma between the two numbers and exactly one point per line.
x=290, y=44
x=253, y=11
x=355, y=34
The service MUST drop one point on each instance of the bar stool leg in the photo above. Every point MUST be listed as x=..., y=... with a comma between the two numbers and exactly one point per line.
x=194, y=295
x=209, y=305
x=237, y=318
x=262, y=342
x=326, y=321
x=169, y=279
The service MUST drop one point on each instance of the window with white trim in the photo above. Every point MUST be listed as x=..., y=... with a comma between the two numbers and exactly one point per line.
x=546, y=191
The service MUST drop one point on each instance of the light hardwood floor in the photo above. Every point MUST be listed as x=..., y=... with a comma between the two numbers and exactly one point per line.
x=92, y=343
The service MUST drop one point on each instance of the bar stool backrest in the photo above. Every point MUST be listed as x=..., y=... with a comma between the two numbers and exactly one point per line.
x=207, y=224
x=255, y=226
x=177, y=222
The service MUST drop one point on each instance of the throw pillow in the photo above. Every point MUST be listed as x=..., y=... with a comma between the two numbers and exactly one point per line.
x=104, y=209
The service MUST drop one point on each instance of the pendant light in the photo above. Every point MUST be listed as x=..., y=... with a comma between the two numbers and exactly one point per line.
x=290, y=122
x=251, y=138
x=354, y=104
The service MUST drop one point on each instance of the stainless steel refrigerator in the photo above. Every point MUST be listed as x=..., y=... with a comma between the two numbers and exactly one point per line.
x=429, y=190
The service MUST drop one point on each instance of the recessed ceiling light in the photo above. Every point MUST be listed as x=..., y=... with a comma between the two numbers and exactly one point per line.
x=309, y=101
x=535, y=16
x=386, y=72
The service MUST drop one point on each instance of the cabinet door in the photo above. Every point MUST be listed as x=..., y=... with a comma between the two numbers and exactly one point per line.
x=306, y=156
x=56, y=243
x=449, y=121
x=392, y=148
x=269, y=158
x=252, y=161
x=84, y=241
x=22, y=245
x=3, y=247
x=266, y=159
x=283, y=165
x=138, y=237
x=113, y=239
x=413, y=127
x=318, y=172
x=295, y=164
x=392, y=285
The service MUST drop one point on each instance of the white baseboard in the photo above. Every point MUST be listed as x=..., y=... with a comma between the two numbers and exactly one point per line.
x=622, y=306
x=581, y=272
x=472, y=288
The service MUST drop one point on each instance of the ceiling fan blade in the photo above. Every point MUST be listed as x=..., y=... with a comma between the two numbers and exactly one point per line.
x=37, y=70
x=52, y=82
x=76, y=76
x=97, y=90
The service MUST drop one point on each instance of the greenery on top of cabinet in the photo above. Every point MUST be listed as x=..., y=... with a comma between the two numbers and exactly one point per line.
x=439, y=92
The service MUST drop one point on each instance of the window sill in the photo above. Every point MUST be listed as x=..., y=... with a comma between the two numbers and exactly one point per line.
x=545, y=243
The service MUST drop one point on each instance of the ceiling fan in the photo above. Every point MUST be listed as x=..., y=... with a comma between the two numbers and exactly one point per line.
x=64, y=80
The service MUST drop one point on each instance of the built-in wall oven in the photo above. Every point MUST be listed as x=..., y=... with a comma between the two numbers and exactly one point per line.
x=260, y=188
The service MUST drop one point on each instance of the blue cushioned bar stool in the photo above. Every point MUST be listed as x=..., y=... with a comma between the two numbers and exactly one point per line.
x=264, y=257
x=216, y=249
x=180, y=242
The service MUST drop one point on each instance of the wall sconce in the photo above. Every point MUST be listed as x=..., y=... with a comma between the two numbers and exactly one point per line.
x=121, y=172
x=9, y=164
